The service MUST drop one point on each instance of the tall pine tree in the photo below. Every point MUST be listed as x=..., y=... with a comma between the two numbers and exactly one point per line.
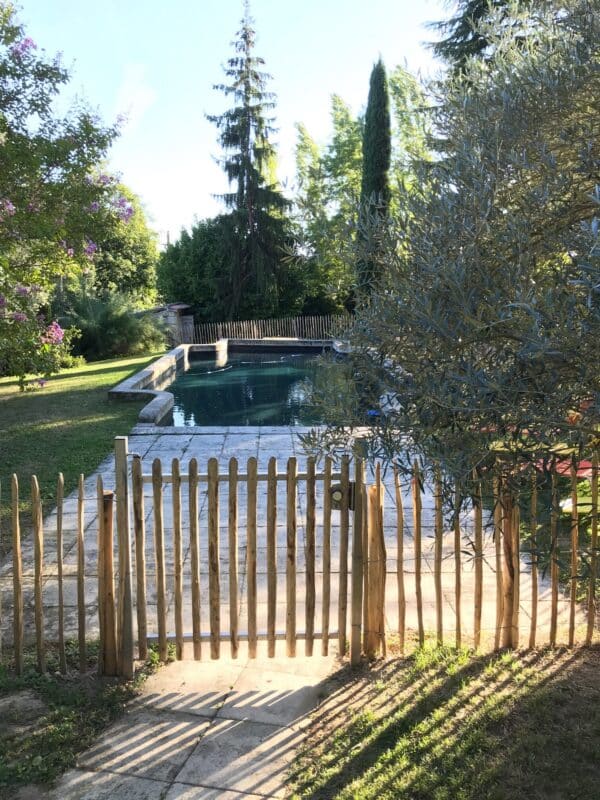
x=375, y=186
x=259, y=231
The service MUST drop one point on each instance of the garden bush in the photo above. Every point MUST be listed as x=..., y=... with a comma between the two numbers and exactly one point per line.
x=108, y=327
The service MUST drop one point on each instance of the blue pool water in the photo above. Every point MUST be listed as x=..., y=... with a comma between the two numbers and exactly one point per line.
x=268, y=388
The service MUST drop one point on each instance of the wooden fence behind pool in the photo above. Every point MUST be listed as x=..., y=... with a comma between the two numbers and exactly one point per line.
x=315, y=327
x=316, y=549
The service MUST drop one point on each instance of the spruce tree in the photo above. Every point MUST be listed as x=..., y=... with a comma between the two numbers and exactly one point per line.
x=375, y=187
x=463, y=36
x=258, y=230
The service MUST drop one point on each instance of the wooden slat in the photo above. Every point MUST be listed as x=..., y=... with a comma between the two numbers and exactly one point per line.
x=516, y=571
x=195, y=558
x=554, y=556
x=375, y=566
x=357, y=566
x=159, y=556
x=417, y=535
x=533, y=523
x=100, y=574
x=574, y=553
x=81, y=624
x=177, y=558
x=365, y=555
x=343, y=566
x=233, y=556
x=478, y=598
x=38, y=543
x=251, y=557
x=139, y=532
x=400, y=562
x=214, y=591
x=383, y=559
x=592, y=600
x=271, y=556
x=498, y=560
x=125, y=602
x=60, y=494
x=17, y=563
x=437, y=556
x=326, y=558
x=290, y=575
x=310, y=557
x=106, y=588
x=457, y=567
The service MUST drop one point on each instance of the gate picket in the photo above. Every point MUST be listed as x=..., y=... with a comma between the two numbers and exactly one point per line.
x=159, y=556
x=271, y=555
x=310, y=558
x=214, y=593
x=251, y=556
x=233, y=556
x=290, y=575
x=195, y=558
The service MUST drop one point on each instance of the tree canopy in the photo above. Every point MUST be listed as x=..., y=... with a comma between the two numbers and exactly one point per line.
x=258, y=233
x=482, y=337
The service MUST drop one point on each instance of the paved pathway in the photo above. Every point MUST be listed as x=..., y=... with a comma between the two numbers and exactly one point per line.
x=225, y=729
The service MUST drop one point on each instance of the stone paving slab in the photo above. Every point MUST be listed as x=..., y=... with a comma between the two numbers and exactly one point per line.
x=209, y=729
x=78, y=784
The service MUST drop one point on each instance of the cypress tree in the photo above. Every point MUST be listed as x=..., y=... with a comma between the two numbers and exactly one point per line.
x=258, y=227
x=377, y=152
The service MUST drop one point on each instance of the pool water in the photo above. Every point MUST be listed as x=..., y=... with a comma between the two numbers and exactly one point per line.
x=250, y=389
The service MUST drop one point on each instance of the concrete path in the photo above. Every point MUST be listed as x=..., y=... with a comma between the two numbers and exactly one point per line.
x=226, y=729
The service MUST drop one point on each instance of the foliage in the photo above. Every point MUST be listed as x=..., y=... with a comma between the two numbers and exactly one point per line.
x=329, y=186
x=49, y=166
x=327, y=201
x=484, y=331
x=127, y=252
x=30, y=348
x=256, y=233
x=465, y=37
x=107, y=327
x=377, y=151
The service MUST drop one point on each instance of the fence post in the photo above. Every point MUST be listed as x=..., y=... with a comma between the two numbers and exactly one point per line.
x=108, y=657
x=125, y=603
x=357, y=565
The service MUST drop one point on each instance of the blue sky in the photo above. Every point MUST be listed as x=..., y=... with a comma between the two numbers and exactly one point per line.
x=157, y=61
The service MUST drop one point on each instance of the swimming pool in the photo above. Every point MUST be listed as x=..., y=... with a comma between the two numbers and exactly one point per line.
x=250, y=388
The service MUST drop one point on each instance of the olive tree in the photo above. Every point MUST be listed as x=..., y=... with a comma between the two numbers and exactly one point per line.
x=480, y=344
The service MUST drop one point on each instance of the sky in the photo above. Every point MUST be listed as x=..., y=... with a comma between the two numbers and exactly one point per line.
x=157, y=61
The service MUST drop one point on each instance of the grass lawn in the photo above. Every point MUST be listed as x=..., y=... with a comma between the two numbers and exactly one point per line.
x=68, y=426
x=447, y=725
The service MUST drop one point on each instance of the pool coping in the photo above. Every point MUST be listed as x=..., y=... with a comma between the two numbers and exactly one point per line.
x=150, y=382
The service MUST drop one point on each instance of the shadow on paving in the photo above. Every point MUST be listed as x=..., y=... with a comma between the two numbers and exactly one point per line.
x=204, y=729
x=447, y=725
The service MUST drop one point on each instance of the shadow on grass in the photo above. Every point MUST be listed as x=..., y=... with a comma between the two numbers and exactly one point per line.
x=448, y=726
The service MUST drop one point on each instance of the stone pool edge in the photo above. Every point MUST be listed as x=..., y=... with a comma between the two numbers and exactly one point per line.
x=150, y=382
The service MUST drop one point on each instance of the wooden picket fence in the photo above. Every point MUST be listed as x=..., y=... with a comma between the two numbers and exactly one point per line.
x=314, y=327
x=185, y=516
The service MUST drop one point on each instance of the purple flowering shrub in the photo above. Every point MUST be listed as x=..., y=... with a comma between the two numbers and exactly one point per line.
x=31, y=349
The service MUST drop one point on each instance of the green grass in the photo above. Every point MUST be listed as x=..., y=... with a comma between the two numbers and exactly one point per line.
x=79, y=708
x=447, y=725
x=68, y=426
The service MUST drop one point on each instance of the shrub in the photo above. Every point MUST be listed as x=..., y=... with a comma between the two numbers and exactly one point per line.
x=107, y=327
